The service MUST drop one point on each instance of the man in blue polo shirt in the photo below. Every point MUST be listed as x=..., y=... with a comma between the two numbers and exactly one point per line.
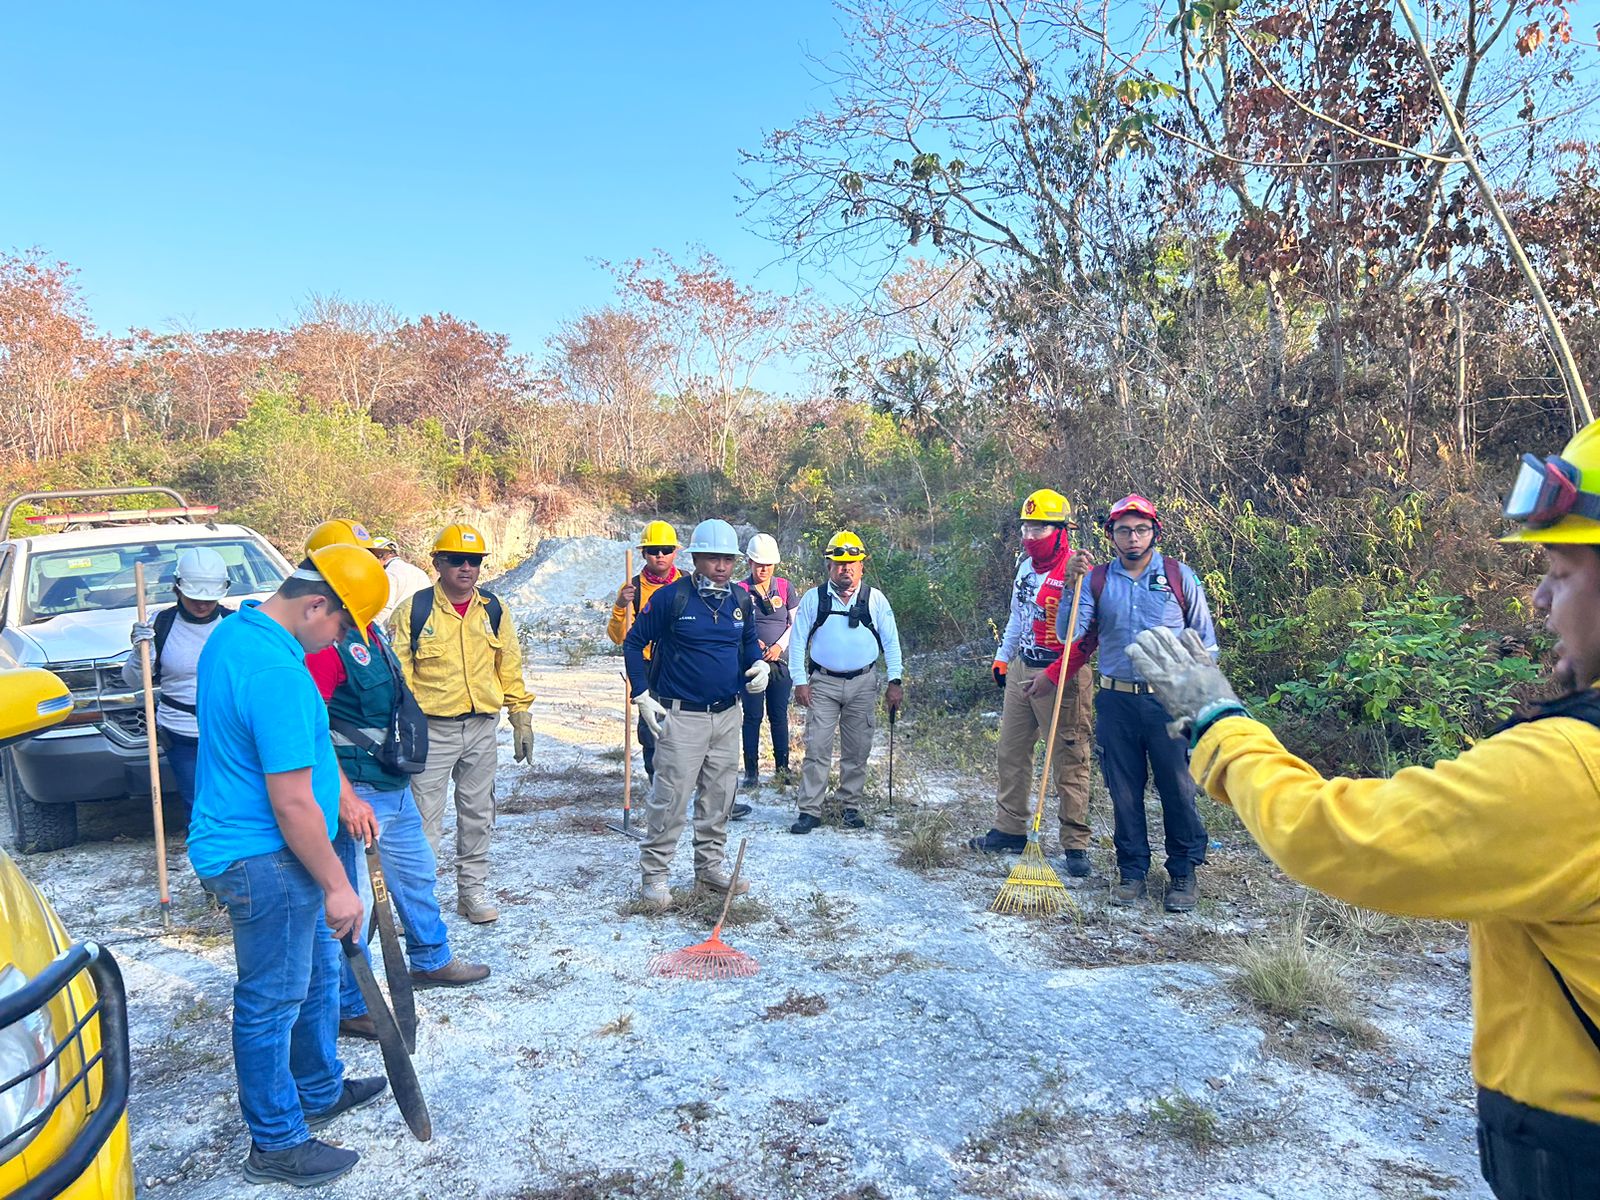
x=704, y=652
x=1140, y=589
x=268, y=796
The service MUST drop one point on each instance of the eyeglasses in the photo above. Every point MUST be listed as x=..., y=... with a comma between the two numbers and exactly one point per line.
x=461, y=560
x=1137, y=531
x=658, y=551
x=1545, y=491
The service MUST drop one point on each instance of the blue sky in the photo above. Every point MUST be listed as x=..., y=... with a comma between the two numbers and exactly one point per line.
x=218, y=163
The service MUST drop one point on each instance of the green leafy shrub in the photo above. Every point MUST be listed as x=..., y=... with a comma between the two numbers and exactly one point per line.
x=1416, y=675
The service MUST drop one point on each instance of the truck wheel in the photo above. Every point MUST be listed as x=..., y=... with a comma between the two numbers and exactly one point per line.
x=35, y=826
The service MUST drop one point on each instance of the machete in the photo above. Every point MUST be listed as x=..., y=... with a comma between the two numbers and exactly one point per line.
x=394, y=958
x=396, y=1062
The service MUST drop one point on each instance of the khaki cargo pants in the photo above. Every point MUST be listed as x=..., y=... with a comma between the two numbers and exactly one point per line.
x=1023, y=723
x=693, y=750
x=463, y=751
x=847, y=708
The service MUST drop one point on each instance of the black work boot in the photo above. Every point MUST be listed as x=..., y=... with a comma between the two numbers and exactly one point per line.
x=1183, y=892
x=1076, y=863
x=739, y=811
x=751, y=781
x=805, y=824
x=306, y=1165
x=1129, y=891
x=850, y=818
x=995, y=842
x=357, y=1093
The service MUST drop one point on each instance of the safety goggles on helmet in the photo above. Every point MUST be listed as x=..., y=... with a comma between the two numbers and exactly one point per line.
x=1546, y=491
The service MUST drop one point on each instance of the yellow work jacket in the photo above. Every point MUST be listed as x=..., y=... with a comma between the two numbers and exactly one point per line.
x=1506, y=837
x=461, y=665
x=616, y=628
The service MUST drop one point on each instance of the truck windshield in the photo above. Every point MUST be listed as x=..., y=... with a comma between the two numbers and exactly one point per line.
x=101, y=577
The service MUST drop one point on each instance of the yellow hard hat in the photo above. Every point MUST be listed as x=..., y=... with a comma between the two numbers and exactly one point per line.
x=460, y=539
x=338, y=532
x=1557, y=499
x=844, y=546
x=659, y=533
x=1047, y=506
x=357, y=578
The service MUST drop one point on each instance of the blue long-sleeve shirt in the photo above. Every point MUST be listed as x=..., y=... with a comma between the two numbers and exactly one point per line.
x=838, y=647
x=704, y=657
x=1129, y=606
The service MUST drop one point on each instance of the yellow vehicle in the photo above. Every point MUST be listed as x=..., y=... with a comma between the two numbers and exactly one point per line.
x=63, y=1019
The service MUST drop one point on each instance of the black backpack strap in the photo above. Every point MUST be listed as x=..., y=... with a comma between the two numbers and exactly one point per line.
x=163, y=627
x=680, y=601
x=1173, y=570
x=1584, y=1018
x=421, y=610
x=496, y=609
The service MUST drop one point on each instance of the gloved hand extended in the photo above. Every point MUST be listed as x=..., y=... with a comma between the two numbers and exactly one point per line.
x=999, y=673
x=758, y=676
x=650, y=712
x=143, y=631
x=1189, y=685
x=522, y=736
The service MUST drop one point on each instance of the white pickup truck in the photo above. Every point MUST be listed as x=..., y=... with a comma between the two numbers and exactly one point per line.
x=67, y=602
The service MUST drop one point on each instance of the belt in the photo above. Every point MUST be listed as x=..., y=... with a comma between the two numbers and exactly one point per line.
x=1108, y=684
x=1038, y=659
x=459, y=716
x=841, y=674
x=690, y=706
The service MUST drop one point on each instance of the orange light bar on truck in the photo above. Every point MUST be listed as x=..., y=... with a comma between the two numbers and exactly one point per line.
x=129, y=514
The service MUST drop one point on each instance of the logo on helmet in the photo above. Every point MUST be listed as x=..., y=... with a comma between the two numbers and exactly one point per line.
x=1029, y=506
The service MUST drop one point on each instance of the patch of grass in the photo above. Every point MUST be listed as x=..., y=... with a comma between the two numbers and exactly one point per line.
x=825, y=907
x=1353, y=927
x=1288, y=976
x=701, y=905
x=796, y=1004
x=927, y=846
x=695, y=1111
x=200, y=1010
x=1017, y=1133
x=578, y=652
x=620, y=1026
x=1181, y=1117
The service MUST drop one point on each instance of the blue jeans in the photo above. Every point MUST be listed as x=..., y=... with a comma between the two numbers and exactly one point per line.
x=285, y=1004
x=1133, y=744
x=775, y=702
x=410, y=871
x=181, y=754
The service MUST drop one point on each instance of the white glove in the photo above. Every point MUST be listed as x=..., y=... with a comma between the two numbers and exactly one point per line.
x=758, y=676
x=650, y=712
x=1189, y=685
x=143, y=631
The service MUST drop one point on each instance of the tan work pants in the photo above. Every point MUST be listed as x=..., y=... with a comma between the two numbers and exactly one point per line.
x=693, y=750
x=848, y=708
x=1023, y=722
x=463, y=751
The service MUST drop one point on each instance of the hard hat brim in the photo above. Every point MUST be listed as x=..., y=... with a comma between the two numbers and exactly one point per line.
x=1569, y=531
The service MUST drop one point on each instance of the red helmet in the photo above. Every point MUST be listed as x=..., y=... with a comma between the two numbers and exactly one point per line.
x=1133, y=504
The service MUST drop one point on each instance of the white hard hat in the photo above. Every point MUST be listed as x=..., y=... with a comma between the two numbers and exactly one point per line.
x=201, y=574
x=713, y=537
x=763, y=549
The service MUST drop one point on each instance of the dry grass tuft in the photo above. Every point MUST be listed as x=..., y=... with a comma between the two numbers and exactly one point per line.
x=1288, y=976
x=796, y=1004
x=927, y=846
x=1185, y=1119
x=621, y=1026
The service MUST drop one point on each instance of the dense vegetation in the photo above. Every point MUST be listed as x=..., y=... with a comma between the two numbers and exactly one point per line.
x=1236, y=260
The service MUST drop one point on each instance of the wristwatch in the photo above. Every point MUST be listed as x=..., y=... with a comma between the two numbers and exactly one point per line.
x=894, y=683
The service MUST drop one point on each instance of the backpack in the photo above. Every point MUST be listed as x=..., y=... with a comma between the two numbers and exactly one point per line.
x=163, y=628
x=680, y=600
x=422, y=609
x=860, y=613
x=1171, y=567
x=404, y=748
x=638, y=589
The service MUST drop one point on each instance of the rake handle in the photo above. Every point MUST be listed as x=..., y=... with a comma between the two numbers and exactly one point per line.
x=627, y=706
x=738, y=865
x=1055, y=713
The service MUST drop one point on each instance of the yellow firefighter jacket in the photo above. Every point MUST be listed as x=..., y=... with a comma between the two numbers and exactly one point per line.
x=616, y=628
x=461, y=665
x=1506, y=837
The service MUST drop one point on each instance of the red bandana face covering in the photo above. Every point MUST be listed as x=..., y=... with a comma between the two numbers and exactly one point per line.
x=1044, y=551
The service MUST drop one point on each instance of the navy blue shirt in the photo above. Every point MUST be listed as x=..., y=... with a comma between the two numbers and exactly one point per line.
x=703, y=659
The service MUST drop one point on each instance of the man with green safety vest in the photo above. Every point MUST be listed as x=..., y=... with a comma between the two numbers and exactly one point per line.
x=1506, y=837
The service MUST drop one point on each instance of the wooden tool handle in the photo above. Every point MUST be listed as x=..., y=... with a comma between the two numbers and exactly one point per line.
x=738, y=865
x=151, y=752
x=1055, y=713
x=627, y=703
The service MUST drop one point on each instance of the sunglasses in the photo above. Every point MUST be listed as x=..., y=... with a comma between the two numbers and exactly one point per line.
x=657, y=551
x=1546, y=491
x=461, y=560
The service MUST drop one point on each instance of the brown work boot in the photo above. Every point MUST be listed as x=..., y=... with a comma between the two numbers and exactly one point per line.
x=475, y=907
x=718, y=880
x=1129, y=891
x=656, y=894
x=454, y=973
x=358, y=1027
x=1183, y=893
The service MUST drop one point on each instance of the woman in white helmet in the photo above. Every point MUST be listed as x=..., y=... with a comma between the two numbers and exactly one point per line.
x=176, y=636
x=774, y=617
